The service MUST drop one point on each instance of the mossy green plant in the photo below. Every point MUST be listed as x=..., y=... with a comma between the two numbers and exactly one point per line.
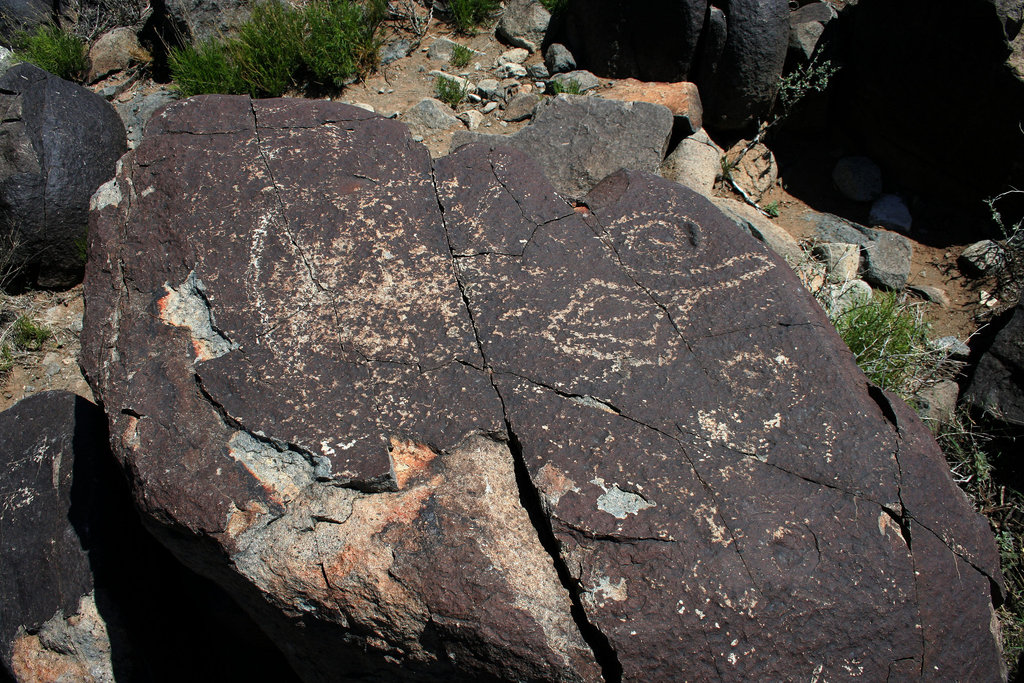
x=569, y=87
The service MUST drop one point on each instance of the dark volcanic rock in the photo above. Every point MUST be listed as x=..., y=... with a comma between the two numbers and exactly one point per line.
x=998, y=383
x=450, y=424
x=58, y=143
x=579, y=140
x=85, y=593
x=738, y=81
x=652, y=41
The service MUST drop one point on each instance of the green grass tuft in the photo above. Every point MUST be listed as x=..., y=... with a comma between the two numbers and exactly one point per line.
x=461, y=56
x=467, y=15
x=28, y=336
x=328, y=42
x=450, y=91
x=569, y=87
x=888, y=337
x=54, y=50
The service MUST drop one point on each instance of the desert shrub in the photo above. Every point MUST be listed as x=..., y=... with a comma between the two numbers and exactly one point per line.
x=328, y=42
x=57, y=51
x=342, y=40
x=889, y=338
x=468, y=14
x=569, y=87
x=29, y=336
x=450, y=91
x=461, y=56
x=205, y=68
x=771, y=208
x=979, y=462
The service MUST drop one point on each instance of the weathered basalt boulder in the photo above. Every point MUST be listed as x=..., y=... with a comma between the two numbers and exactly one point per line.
x=577, y=141
x=651, y=41
x=739, y=71
x=997, y=387
x=58, y=143
x=86, y=595
x=448, y=426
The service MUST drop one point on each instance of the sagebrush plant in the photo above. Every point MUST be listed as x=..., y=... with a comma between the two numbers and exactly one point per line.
x=54, y=49
x=461, y=56
x=813, y=77
x=888, y=336
x=450, y=91
x=467, y=15
x=326, y=42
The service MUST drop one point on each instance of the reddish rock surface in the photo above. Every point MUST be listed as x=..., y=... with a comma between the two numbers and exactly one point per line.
x=452, y=426
x=682, y=98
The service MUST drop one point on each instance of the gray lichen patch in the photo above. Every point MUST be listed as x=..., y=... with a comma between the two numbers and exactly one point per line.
x=187, y=306
x=108, y=194
x=620, y=504
x=283, y=472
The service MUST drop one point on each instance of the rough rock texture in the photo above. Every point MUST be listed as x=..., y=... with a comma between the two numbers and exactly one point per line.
x=58, y=143
x=981, y=257
x=136, y=112
x=682, y=99
x=524, y=23
x=451, y=424
x=739, y=77
x=578, y=141
x=115, y=50
x=44, y=571
x=997, y=386
x=807, y=25
x=695, y=162
x=85, y=593
x=756, y=224
x=652, y=41
x=891, y=212
x=885, y=256
x=753, y=169
x=196, y=21
x=559, y=59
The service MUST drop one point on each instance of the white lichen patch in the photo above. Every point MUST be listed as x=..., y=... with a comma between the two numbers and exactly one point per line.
x=107, y=194
x=604, y=591
x=187, y=306
x=620, y=504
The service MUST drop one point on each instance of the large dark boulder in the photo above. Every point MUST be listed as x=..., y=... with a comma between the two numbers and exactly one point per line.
x=997, y=386
x=448, y=426
x=739, y=77
x=86, y=594
x=58, y=143
x=653, y=41
x=578, y=141
x=21, y=15
x=928, y=90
